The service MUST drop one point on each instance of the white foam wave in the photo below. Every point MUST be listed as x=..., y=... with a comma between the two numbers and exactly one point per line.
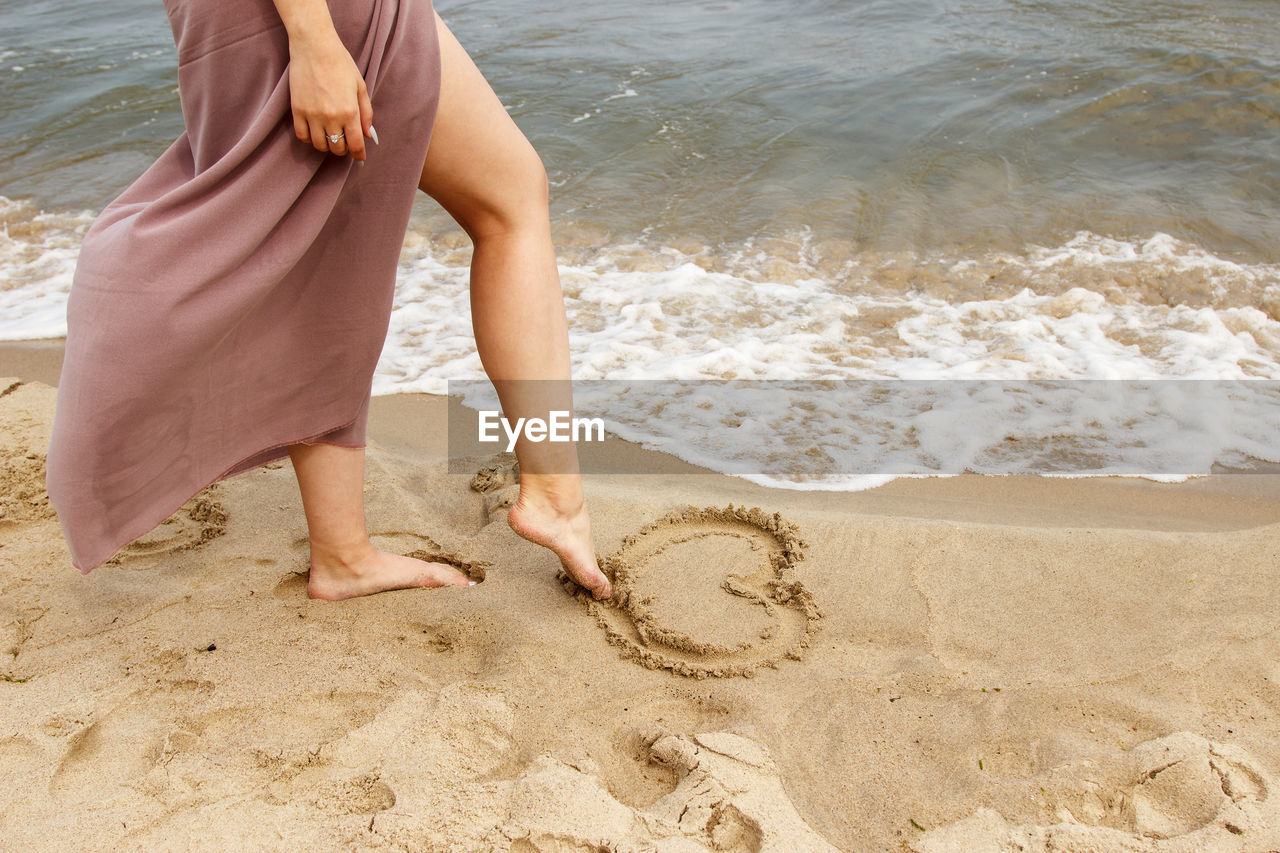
x=849, y=436
x=670, y=316
x=38, y=252
x=676, y=319
x=638, y=312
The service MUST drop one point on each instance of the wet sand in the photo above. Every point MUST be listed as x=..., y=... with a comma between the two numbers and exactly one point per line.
x=936, y=665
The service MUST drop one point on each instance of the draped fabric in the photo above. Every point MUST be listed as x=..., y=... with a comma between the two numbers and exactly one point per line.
x=235, y=298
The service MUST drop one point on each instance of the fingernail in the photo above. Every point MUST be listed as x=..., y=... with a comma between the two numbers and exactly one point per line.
x=373, y=133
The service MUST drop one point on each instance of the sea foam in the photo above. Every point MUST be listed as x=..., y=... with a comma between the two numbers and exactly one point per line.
x=1094, y=307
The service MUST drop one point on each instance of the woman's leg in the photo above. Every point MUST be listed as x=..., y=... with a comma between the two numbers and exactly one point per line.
x=344, y=563
x=484, y=172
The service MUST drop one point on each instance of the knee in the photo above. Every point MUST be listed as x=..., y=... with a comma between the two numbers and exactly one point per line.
x=535, y=187
x=520, y=201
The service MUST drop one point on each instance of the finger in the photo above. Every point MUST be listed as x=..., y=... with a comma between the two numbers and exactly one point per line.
x=338, y=146
x=366, y=109
x=300, y=128
x=355, y=137
x=318, y=139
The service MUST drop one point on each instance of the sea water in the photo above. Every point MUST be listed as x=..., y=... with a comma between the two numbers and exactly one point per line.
x=790, y=190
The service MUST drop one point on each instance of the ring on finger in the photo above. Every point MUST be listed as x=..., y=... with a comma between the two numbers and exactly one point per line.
x=335, y=138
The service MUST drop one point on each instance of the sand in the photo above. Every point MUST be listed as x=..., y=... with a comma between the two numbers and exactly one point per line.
x=973, y=664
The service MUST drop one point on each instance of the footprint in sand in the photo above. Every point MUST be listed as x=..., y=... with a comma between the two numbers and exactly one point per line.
x=200, y=520
x=728, y=798
x=363, y=794
x=498, y=481
x=708, y=592
x=1180, y=792
x=106, y=754
x=425, y=548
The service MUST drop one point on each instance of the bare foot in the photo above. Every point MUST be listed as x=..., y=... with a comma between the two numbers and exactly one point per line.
x=334, y=578
x=566, y=533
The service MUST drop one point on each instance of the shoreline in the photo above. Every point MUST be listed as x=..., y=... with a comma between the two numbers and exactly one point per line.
x=1048, y=647
x=1247, y=499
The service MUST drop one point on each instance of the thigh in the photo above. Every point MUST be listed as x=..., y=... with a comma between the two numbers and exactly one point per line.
x=479, y=165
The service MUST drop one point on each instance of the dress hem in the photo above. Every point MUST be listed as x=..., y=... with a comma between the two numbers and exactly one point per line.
x=227, y=473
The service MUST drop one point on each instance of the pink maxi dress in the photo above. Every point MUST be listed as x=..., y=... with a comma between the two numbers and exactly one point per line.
x=235, y=298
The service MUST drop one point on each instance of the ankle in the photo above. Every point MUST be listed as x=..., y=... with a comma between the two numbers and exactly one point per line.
x=341, y=556
x=559, y=494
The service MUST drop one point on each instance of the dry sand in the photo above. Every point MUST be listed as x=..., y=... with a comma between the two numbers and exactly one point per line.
x=971, y=664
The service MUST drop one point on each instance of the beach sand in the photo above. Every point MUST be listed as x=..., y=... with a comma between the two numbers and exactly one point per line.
x=964, y=664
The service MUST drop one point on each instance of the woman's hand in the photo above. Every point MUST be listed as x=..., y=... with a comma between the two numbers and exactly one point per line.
x=326, y=90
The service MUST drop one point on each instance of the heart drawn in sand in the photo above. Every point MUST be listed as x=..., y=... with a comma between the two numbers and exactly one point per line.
x=708, y=593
